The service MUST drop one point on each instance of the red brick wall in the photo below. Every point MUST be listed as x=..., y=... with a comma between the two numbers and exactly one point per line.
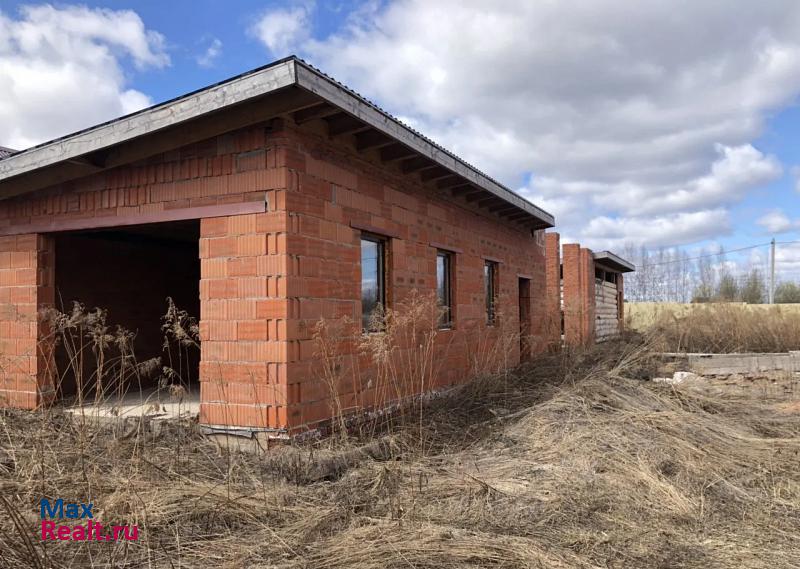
x=553, y=278
x=579, y=316
x=231, y=168
x=333, y=194
x=244, y=312
x=26, y=285
x=266, y=279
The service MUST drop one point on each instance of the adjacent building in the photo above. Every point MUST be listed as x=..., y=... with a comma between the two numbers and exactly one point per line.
x=585, y=289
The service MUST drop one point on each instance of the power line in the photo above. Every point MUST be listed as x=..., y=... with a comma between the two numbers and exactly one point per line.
x=749, y=247
x=715, y=254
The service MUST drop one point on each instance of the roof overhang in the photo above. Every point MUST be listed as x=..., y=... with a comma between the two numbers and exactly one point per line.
x=613, y=262
x=288, y=87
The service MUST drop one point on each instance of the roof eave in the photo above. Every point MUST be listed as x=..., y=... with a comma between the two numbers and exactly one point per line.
x=614, y=262
x=67, y=153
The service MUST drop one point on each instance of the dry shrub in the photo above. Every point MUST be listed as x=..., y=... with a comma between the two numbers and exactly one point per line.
x=328, y=336
x=101, y=359
x=723, y=328
x=382, y=371
x=571, y=461
x=493, y=348
x=403, y=346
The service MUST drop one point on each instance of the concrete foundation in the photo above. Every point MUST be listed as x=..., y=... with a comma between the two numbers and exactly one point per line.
x=749, y=363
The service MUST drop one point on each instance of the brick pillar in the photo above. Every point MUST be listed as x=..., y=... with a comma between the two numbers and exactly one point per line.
x=553, y=288
x=243, y=320
x=579, y=288
x=27, y=267
x=589, y=321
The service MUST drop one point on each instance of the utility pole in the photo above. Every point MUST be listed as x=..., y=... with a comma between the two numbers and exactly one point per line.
x=772, y=272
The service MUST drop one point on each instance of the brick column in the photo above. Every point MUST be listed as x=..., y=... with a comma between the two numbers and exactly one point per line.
x=243, y=320
x=27, y=264
x=553, y=288
x=588, y=288
x=579, y=313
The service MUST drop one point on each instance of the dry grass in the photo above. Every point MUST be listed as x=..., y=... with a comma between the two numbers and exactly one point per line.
x=726, y=328
x=573, y=461
x=642, y=315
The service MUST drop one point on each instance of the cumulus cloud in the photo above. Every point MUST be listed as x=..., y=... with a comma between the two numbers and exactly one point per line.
x=776, y=221
x=76, y=52
x=282, y=30
x=787, y=261
x=209, y=57
x=622, y=115
x=676, y=229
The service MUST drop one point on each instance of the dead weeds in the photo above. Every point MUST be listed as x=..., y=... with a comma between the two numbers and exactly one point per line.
x=571, y=461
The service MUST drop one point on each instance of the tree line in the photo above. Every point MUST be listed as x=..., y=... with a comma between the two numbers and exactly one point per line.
x=671, y=275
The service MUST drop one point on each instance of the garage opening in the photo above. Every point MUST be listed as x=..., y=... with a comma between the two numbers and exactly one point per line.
x=114, y=288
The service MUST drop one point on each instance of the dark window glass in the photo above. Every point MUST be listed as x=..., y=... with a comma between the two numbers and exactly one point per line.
x=489, y=284
x=373, y=290
x=444, y=292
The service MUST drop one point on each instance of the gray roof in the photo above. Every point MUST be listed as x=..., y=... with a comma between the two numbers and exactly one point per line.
x=288, y=87
x=6, y=152
x=614, y=262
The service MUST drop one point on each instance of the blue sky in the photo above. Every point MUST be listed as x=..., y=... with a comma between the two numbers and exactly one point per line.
x=660, y=125
x=200, y=22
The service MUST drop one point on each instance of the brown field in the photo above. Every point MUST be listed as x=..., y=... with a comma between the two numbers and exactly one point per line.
x=573, y=461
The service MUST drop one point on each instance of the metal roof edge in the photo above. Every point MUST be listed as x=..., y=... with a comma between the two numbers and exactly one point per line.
x=615, y=261
x=237, y=89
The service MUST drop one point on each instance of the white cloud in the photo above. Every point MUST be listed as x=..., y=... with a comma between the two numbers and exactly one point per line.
x=659, y=230
x=282, y=30
x=736, y=171
x=628, y=115
x=776, y=221
x=787, y=261
x=209, y=57
x=76, y=53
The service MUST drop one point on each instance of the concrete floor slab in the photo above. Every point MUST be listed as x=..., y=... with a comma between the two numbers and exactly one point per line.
x=156, y=404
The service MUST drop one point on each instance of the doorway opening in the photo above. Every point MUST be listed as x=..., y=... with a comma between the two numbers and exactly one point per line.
x=122, y=297
x=524, y=319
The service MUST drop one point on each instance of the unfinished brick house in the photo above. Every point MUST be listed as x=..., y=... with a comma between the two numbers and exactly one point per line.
x=586, y=289
x=262, y=204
